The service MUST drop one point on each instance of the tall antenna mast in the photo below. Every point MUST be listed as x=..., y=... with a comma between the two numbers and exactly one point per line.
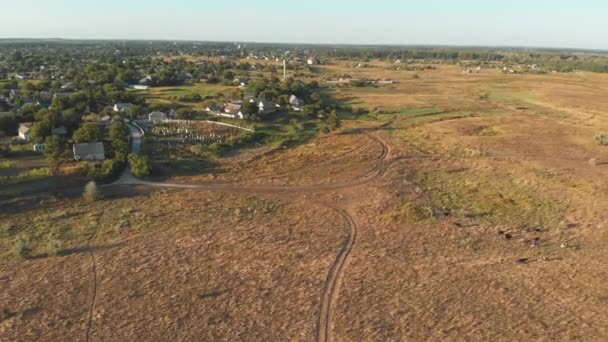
x=284, y=69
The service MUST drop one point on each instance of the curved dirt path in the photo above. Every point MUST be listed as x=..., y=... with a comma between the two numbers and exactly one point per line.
x=332, y=283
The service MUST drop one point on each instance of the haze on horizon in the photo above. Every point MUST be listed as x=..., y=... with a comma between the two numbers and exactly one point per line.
x=542, y=23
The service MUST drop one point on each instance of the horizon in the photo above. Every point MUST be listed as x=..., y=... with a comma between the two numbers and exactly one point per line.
x=543, y=24
x=312, y=44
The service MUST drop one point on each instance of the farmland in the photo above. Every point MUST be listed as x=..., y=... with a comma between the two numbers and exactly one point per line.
x=452, y=206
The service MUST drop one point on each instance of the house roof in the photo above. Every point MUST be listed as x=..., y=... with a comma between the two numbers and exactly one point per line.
x=233, y=108
x=157, y=115
x=293, y=99
x=25, y=127
x=88, y=148
x=121, y=106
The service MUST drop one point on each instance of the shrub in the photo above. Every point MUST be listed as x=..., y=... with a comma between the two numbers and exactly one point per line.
x=21, y=248
x=601, y=139
x=91, y=194
x=140, y=166
x=53, y=246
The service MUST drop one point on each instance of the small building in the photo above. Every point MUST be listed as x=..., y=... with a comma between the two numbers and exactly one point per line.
x=70, y=86
x=146, y=81
x=157, y=116
x=38, y=148
x=139, y=87
x=25, y=131
x=295, y=102
x=15, y=94
x=89, y=151
x=233, y=108
x=172, y=114
x=122, y=107
x=266, y=107
x=312, y=60
x=249, y=97
x=233, y=111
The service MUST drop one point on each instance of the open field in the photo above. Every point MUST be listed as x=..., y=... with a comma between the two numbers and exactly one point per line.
x=461, y=207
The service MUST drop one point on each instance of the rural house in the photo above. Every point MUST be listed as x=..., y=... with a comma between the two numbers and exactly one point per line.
x=68, y=86
x=232, y=110
x=312, y=60
x=157, y=116
x=122, y=107
x=89, y=151
x=24, y=131
x=295, y=102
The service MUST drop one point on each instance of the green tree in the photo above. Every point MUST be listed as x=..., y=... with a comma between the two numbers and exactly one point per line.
x=250, y=108
x=40, y=130
x=334, y=121
x=89, y=132
x=8, y=125
x=140, y=165
x=184, y=114
x=134, y=111
x=119, y=131
x=53, y=148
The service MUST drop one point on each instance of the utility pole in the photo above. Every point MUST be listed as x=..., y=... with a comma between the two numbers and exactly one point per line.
x=284, y=69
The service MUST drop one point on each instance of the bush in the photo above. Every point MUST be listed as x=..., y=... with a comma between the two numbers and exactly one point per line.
x=601, y=139
x=108, y=171
x=53, y=246
x=21, y=248
x=91, y=194
x=140, y=166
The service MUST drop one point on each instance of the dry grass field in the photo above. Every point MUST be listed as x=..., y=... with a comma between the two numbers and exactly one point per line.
x=468, y=209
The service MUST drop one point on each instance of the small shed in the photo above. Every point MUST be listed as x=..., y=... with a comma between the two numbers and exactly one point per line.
x=157, y=116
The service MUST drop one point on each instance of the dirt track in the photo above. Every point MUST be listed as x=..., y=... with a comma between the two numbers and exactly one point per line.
x=332, y=283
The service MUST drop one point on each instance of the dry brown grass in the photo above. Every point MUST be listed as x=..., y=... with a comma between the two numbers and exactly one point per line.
x=470, y=178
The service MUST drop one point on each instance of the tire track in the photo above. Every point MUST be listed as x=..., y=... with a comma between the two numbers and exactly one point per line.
x=332, y=283
x=95, y=277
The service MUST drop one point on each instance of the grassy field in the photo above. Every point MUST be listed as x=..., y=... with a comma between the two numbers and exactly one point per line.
x=486, y=222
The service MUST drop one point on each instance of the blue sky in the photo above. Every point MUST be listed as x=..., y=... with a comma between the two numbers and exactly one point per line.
x=556, y=23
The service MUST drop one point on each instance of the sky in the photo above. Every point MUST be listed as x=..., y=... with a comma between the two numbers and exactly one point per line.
x=535, y=23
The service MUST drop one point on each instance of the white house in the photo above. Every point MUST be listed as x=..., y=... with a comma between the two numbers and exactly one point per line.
x=231, y=110
x=139, y=87
x=25, y=131
x=122, y=107
x=312, y=60
x=89, y=151
x=68, y=86
x=295, y=102
x=157, y=116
